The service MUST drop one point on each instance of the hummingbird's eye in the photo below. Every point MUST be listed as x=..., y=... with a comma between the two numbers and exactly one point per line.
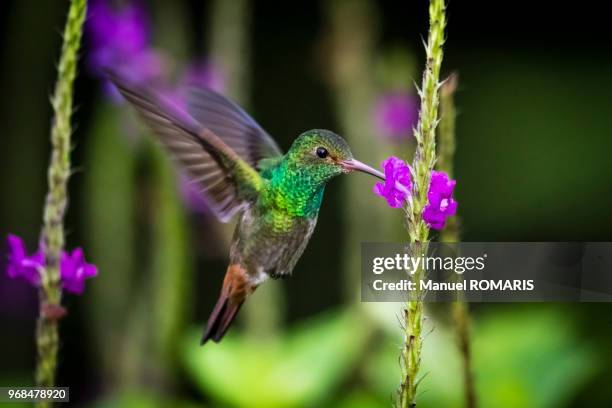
x=322, y=152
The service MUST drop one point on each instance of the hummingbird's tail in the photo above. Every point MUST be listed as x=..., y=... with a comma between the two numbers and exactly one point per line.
x=236, y=288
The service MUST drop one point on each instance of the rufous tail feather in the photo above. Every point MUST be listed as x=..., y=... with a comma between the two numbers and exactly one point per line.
x=236, y=288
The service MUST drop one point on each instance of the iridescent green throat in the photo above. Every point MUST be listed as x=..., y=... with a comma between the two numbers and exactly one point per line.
x=295, y=189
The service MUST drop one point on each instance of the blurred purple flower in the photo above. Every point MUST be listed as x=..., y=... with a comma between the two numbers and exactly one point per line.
x=198, y=75
x=74, y=271
x=441, y=204
x=119, y=39
x=397, y=186
x=73, y=267
x=20, y=265
x=204, y=75
x=396, y=114
x=122, y=30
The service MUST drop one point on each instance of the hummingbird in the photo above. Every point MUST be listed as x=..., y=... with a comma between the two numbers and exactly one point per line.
x=240, y=169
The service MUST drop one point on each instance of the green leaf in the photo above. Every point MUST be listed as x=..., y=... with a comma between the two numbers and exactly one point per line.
x=530, y=357
x=300, y=369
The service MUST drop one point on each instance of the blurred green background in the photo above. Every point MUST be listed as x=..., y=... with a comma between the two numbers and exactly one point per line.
x=534, y=141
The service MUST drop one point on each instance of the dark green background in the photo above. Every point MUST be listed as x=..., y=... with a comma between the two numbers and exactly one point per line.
x=533, y=160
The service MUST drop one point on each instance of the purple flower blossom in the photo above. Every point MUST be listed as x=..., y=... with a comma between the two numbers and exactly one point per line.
x=20, y=265
x=73, y=267
x=396, y=114
x=441, y=204
x=119, y=39
x=74, y=270
x=397, y=186
x=122, y=30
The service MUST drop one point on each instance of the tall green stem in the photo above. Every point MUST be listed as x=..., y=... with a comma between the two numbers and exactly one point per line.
x=450, y=234
x=461, y=316
x=171, y=269
x=352, y=38
x=446, y=134
x=229, y=45
x=57, y=199
x=109, y=217
x=422, y=165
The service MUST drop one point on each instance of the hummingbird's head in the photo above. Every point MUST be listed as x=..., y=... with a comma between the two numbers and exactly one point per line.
x=326, y=155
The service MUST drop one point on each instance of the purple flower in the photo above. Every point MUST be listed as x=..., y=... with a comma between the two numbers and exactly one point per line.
x=396, y=114
x=20, y=265
x=397, y=186
x=74, y=270
x=122, y=30
x=204, y=75
x=441, y=204
x=73, y=267
x=119, y=39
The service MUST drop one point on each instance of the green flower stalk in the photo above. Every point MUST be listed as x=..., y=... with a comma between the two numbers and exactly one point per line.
x=446, y=134
x=446, y=147
x=461, y=316
x=52, y=235
x=446, y=156
x=418, y=230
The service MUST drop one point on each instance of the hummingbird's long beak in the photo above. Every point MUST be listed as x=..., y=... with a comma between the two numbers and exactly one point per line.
x=356, y=165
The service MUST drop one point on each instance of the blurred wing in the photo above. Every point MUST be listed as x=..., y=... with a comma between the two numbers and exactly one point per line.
x=233, y=125
x=223, y=176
